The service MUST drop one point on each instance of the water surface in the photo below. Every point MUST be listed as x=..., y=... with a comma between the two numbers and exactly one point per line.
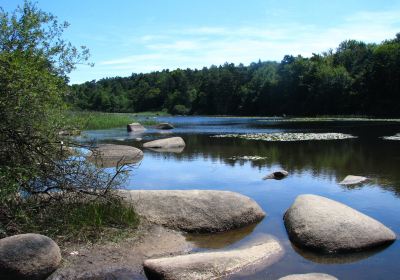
x=315, y=167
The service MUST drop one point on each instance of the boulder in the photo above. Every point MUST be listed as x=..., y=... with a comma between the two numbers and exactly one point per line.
x=198, y=211
x=173, y=142
x=277, y=175
x=321, y=224
x=309, y=276
x=164, y=126
x=135, y=127
x=28, y=256
x=109, y=155
x=353, y=180
x=214, y=265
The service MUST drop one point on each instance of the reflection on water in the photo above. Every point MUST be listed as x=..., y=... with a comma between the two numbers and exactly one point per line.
x=219, y=240
x=176, y=150
x=314, y=167
x=336, y=258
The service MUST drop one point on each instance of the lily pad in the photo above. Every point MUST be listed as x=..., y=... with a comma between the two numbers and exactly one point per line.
x=288, y=136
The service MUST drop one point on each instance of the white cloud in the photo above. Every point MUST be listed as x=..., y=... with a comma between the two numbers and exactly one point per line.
x=206, y=45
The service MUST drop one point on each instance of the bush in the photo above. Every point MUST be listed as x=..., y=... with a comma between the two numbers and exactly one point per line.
x=180, y=110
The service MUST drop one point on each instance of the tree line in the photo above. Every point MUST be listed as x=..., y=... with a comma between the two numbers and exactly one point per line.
x=357, y=78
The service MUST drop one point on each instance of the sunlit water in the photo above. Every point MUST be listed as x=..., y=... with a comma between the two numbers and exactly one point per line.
x=315, y=167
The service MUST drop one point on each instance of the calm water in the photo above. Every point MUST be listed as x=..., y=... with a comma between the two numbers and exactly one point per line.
x=315, y=167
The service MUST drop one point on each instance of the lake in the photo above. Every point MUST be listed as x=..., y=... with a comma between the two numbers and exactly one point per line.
x=315, y=167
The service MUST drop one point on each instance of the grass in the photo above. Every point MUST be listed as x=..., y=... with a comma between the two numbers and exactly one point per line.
x=77, y=222
x=99, y=120
x=151, y=114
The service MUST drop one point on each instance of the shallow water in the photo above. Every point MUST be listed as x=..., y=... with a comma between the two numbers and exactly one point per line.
x=314, y=167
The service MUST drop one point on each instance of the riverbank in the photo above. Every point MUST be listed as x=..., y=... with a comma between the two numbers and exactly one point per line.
x=86, y=120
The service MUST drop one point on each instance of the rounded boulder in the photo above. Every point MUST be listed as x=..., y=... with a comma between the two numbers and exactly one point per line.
x=28, y=256
x=199, y=211
x=321, y=224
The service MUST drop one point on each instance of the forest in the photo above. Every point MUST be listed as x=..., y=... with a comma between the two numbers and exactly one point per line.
x=356, y=78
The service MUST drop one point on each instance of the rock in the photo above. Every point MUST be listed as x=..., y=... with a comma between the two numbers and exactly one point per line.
x=173, y=142
x=353, y=180
x=277, y=175
x=309, y=276
x=135, y=127
x=214, y=265
x=164, y=126
x=318, y=223
x=199, y=211
x=109, y=155
x=176, y=150
x=28, y=256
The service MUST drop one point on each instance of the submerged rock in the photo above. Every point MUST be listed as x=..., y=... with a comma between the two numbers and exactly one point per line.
x=135, y=127
x=164, y=126
x=109, y=155
x=309, y=276
x=173, y=142
x=353, y=180
x=214, y=265
x=199, y=211
x=321, y=224
x=28, y=256
x=277, y=175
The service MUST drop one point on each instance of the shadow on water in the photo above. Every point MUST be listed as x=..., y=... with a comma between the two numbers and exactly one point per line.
x=337, y=258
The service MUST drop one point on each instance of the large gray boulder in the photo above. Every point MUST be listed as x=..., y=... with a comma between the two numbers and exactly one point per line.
x=28, y=256
x=353, y=180
x=172, y=142
x=309, y=276
x=135, y=127
x=109, y=155
x=195, y=210
x=321, y=224
x=214, y=265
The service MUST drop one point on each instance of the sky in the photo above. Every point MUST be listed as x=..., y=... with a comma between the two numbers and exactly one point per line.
x=133, y=36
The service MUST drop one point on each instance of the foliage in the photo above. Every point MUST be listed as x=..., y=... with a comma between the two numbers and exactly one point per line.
x=35, y=163
x=355, y=79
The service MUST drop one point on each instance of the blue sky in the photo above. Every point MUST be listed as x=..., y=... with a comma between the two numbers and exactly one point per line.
x=127, y=36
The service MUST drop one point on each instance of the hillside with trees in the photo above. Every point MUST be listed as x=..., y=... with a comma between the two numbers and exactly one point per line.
x=355, y=79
